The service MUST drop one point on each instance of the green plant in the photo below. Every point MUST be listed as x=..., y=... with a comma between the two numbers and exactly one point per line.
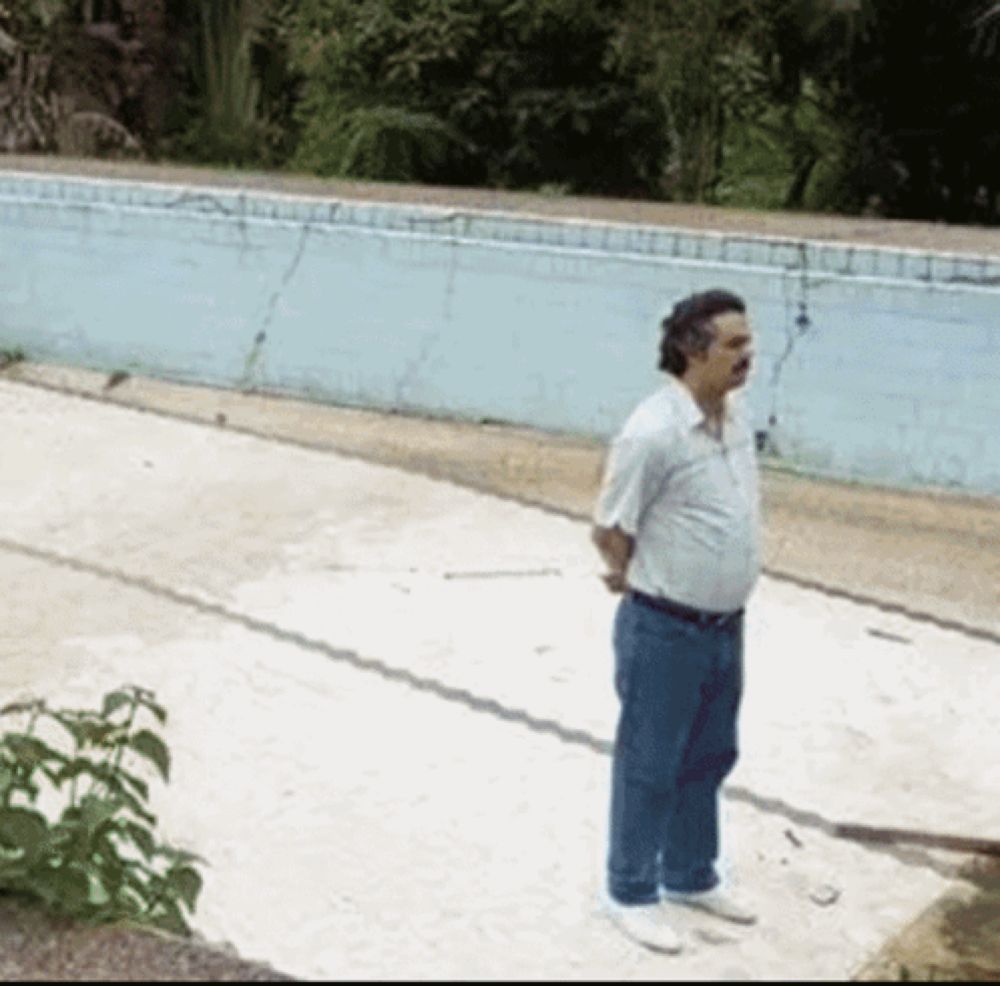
x=93, y=855
x=501, y=93
x=230, y=122
x=10, y=356
x=390, y=143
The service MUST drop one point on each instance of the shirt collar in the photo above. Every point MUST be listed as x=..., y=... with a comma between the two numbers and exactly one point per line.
x=691, y=411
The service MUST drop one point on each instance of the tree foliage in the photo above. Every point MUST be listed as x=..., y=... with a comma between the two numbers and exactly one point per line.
x=883, y=106
x=237, y=86
x=508, y=94
x=64, y=88
x=691, y=54
x=923, y=95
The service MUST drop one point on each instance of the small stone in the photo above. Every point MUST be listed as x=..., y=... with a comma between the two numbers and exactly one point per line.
x=116, y=378
x=220, y=418
x=824, y=895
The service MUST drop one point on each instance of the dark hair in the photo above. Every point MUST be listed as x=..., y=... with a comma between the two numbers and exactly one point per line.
x=688, y=328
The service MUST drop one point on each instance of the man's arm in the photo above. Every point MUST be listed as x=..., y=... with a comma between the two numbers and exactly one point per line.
x=616, y=549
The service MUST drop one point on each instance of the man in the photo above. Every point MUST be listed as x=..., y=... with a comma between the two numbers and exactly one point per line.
x=677, y=525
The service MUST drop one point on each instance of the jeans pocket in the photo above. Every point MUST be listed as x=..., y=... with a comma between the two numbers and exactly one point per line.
x=623, y=641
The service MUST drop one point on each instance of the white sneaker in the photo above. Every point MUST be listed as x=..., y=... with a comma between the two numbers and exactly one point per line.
x=723, y=904
x=645, y=924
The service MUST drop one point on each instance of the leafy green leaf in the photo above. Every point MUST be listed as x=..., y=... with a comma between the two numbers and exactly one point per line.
x=97, y=892
x=66, y=888
x=135, y=806
x=12, y=866
x=131, y=897
x=147, y=744
x=71, y=723
x=136, y=783
x=113, y=701
x=86, y=728
x=179, y=856
x=36, y=705
x=30, y=750
x=82, y=765
x=125, y=799
x=142, y=838
x=96, y=811
x=102, y=734
x=18, y=822
x=52, y=774
x=141, y=877
x=23, y=831
x=106, y=860
x=167, y=915
x=146, y=700
x=186, y=883
x=70, y=816
x=114, y=737
x=107, y=775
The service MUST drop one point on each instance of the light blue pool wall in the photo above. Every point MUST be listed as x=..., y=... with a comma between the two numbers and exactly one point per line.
x=873, y=364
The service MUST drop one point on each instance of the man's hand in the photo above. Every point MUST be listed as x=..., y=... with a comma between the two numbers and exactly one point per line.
x=615, y=581
x=616, y=549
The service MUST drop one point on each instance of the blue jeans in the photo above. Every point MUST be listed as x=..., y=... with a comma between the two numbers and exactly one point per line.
x=680, y=687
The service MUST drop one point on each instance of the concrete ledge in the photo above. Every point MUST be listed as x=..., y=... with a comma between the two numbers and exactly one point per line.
x=934, y=237
x=215, y=209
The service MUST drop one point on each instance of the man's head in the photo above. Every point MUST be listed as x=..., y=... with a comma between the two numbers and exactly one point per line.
x=707, y=341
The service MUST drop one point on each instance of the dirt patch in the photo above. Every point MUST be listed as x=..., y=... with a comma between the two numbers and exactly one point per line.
x=956, y=939
x=39, y=946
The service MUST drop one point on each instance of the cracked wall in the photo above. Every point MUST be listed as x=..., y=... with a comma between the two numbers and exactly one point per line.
x=873, y=364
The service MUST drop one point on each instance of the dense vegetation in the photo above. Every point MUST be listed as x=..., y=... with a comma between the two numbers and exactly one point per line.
x=888, y=107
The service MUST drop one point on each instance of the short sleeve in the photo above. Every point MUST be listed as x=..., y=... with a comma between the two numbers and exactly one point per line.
x=633, y=475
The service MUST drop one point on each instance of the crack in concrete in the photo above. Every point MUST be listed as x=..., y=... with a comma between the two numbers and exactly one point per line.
x=261, y=337
x=414, y=366
x=871, y=838
x=214, y=201
x=286, y=278
x=189, y=198
x=803, y=324
x=449, y=286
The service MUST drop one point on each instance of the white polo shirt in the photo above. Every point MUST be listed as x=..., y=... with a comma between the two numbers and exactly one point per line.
x=691, y=501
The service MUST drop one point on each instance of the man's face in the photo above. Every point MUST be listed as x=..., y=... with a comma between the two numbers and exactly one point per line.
x=726, y=363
